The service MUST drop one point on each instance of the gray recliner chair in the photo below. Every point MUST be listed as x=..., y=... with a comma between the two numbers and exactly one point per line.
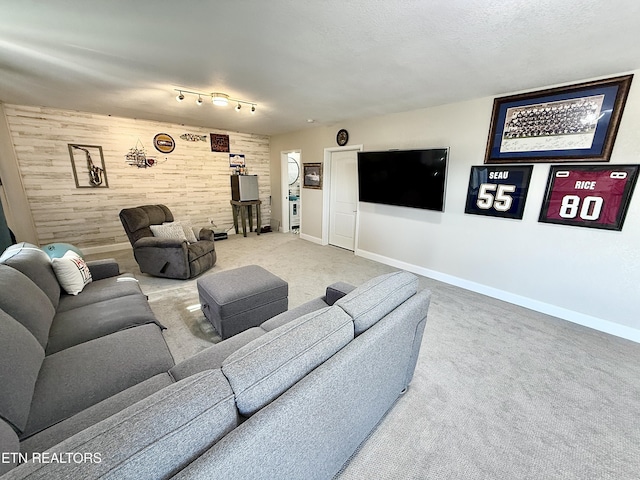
x=162, y=257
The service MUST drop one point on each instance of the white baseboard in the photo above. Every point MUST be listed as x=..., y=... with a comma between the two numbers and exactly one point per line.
x=106, y=248
x=595, y=323
x=311, y=239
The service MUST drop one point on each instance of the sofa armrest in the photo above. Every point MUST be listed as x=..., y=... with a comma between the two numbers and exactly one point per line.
x=103, y=268
x=205, y=234
x=336, y=291
x=153, y=438
x=156, y=242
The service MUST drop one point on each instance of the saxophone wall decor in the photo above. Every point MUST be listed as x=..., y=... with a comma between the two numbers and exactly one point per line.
x=88, y=166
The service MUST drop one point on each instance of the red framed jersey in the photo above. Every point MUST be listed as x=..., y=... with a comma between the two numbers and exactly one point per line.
x=595, y=196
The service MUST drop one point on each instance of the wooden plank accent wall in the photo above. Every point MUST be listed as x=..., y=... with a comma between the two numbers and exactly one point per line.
x=192, y=181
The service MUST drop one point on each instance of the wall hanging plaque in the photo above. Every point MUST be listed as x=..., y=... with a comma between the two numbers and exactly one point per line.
x=137, y=157
x=192, y=137
x=573, y=123
x=85, y=171
x=219, y=142
x=164, y=143
x=595, y=196
x=498, y=191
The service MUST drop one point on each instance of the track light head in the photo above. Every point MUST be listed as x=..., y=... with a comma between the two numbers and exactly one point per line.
x=253, y=109
x=238, y=107
x=199, y=101
x=180, y=97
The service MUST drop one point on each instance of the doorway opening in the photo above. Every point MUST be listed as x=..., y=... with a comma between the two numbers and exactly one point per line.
x=291, y=168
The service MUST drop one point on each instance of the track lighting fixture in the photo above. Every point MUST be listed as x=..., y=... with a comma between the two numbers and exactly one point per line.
x=220, y=99
x=217, y=98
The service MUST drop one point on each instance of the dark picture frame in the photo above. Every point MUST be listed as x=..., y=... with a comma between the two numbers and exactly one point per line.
x=312, y=175
x=564, y=124
x=498, y=191
x=595, y=196
x=86, y=172
x=219, y=142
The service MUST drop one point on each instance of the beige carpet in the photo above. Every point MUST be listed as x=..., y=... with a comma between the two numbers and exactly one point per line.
x=500, y=392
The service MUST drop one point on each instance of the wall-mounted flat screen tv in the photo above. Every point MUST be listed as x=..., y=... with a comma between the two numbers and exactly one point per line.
x=406, y=178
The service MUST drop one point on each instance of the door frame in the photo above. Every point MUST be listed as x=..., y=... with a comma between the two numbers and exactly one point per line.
x=326, y=192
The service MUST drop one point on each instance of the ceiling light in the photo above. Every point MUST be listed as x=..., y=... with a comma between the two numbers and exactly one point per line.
x=217, y=98
x=220, y=99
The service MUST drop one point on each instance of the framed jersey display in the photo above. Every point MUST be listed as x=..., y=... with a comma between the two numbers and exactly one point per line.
x=595, y=196
x=498, y=191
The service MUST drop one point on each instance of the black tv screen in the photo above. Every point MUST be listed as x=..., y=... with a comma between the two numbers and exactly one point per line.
x=407, y=178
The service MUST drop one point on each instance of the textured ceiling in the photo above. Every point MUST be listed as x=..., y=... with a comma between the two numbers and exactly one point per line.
x=327, y=60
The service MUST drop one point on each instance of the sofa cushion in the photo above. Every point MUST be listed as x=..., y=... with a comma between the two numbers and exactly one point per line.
x=96, y=413
x=21, y=357
x=9, y=445
x=85, y=374
x=152, y=439
x=96, y=320
x=36, y=265
x=263, y=369
x=213, y=356
x=26, y=303
x=72, y=272
x=100, y=290
x=377, y=297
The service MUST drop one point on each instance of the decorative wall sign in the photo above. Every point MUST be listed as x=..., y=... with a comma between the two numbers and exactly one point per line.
x=312, y=175
x=236, y=160
x=219, y=142
x=192, y=137
x=164, y=143
x=595, y=196
x=498, y=191
x=137, y=157
x=574, y=123
x=85, y=171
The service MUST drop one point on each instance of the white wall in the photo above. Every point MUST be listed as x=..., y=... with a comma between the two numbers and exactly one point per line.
x=584, y=275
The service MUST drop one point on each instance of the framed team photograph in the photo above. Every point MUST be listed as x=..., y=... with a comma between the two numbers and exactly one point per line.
x=595, y=196
x=563, y=124
x=498, y=191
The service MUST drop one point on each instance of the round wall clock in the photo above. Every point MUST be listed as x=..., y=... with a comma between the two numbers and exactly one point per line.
x=343, y=137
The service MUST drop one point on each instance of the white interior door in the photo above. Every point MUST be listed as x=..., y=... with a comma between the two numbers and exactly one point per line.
x=343, y=201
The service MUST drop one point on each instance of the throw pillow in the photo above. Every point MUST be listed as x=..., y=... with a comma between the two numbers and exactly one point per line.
x=169, y=231
x=72, y=272
x=187, y=228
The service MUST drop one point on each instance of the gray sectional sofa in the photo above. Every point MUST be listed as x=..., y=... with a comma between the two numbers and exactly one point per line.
x=293, y=398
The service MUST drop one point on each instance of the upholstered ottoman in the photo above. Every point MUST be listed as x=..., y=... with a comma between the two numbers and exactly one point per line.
x=238, y=299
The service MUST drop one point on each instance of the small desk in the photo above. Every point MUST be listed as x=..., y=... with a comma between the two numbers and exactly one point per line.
x=246, y=208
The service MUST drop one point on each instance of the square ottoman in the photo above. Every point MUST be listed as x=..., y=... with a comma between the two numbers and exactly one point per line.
x=238, y=299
